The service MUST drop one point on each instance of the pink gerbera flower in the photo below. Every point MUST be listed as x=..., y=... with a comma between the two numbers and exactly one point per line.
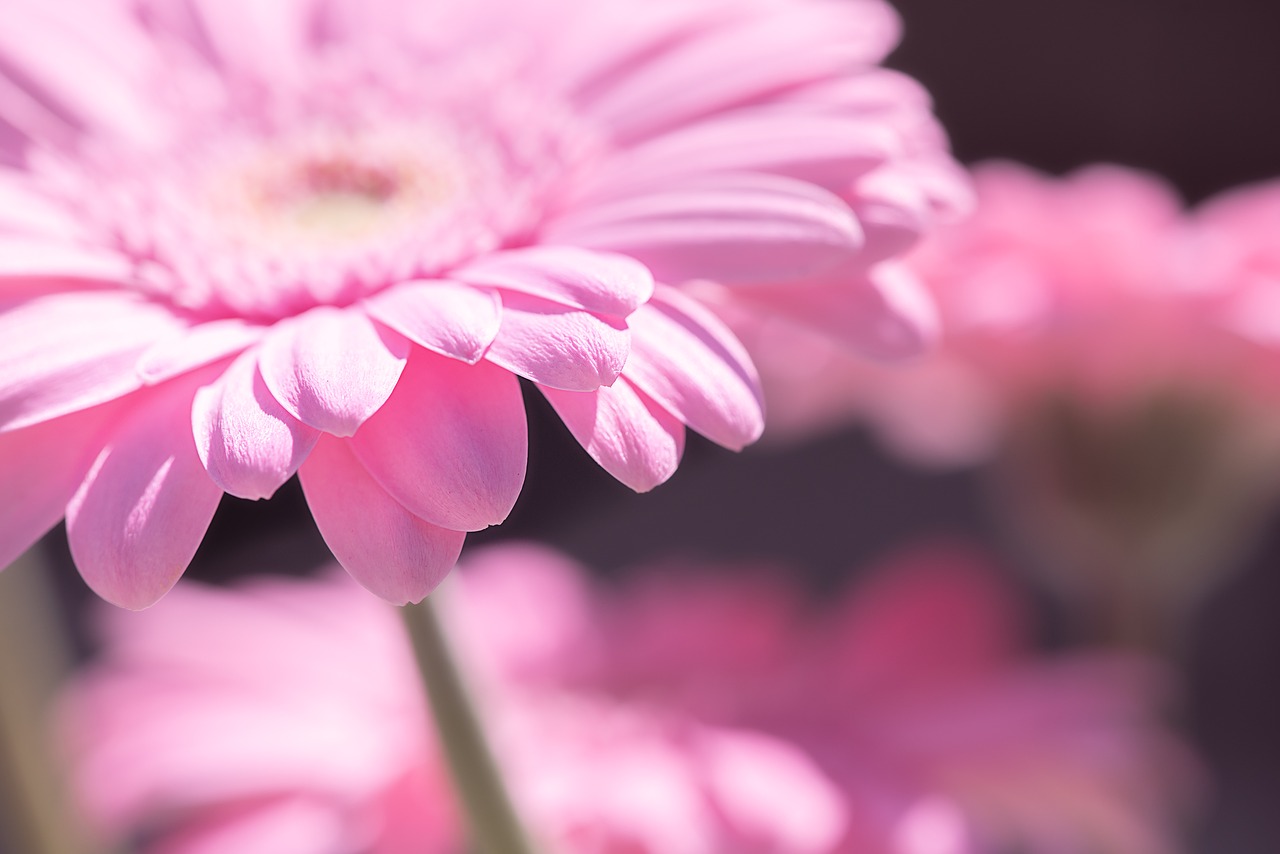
x=242, y=240
x=681, y=712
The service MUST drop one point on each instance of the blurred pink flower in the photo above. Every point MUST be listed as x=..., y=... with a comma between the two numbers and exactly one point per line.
x=1097, y=287
x=680, y=712
x=241, y=241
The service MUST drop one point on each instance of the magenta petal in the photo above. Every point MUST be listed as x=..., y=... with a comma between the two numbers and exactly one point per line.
x=68, y=351
x=733, y=228
x=332, y=368
x=136, y=520
x=630, y=436
x=691, y=365
x=451, y=444
x=49, y=461
x=557, y=346
x=385, y=547
x=195, y=347
x=248, y=442
x=449, y=318
x=602, y=282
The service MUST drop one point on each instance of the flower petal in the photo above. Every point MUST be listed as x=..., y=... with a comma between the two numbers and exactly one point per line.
x=136, y=520
x=386, y=548
x=332, y=368
x=49, y=460
x=188, y=349
x=449, y=318
x=630, y=436
x=67, y=351
x=827, y=150
x=451, y=444
x=247, y=441
x=602, y=282
x=690, y=364
x=557, y=346
x=43, y=258
x=705, y=74
x=264, y=39
x=733, y=227
x=24, y=210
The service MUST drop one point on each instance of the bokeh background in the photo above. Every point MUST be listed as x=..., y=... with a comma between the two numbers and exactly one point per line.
x=1184, y=88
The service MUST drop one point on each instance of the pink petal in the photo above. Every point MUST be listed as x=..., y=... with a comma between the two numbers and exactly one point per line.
x=884, y=313
x=789, y=45
x=91, y=59
x=595, y=281
x=630, y=436
x=557, y=346
x=25, y=210
x=827, y=150
x=332, y=368
x=247, y=441
x=136, y=521
x=49, y=461
x=733, y=227
x=44, y=258
x=267, y=40
x=451, y=444
x=385, y=547
x=446, y=317
x=188, y=349
x=691, y=365
x=68, y=351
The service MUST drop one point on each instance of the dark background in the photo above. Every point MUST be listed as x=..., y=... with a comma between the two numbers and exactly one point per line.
x=1185, y=88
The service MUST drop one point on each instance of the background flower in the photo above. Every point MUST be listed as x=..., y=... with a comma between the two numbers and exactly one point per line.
x=681, y=711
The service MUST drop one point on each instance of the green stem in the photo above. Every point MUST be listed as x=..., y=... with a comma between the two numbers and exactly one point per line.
x=495, y=825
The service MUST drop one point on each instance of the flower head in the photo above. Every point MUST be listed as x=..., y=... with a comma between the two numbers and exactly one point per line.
x=241, y=241
x=681, y=712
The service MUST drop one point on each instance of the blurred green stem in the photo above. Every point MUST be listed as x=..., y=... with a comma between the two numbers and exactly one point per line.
x=495, y=825
x=34, y=658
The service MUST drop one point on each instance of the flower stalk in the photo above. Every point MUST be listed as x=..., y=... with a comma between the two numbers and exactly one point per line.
x=494, y=824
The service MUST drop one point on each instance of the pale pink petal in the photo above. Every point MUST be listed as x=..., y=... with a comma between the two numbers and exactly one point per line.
x=90, y=59
x=136, y=521
x=630, y=436
x=267, y=40
x=827, y=150
x=733, y=227
x=23, y=209
x=451, y=444
x=385, y=547
x=72, y=350
x=691, y=365
x=707, y=74
x=39, y=257
x=49, y=461
x=558, y=346
x=884, y=313
x=248, y=442
x=332, y=368
x=446, y=317
x=601, y=282
x=275, y=826
x=188, y=349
